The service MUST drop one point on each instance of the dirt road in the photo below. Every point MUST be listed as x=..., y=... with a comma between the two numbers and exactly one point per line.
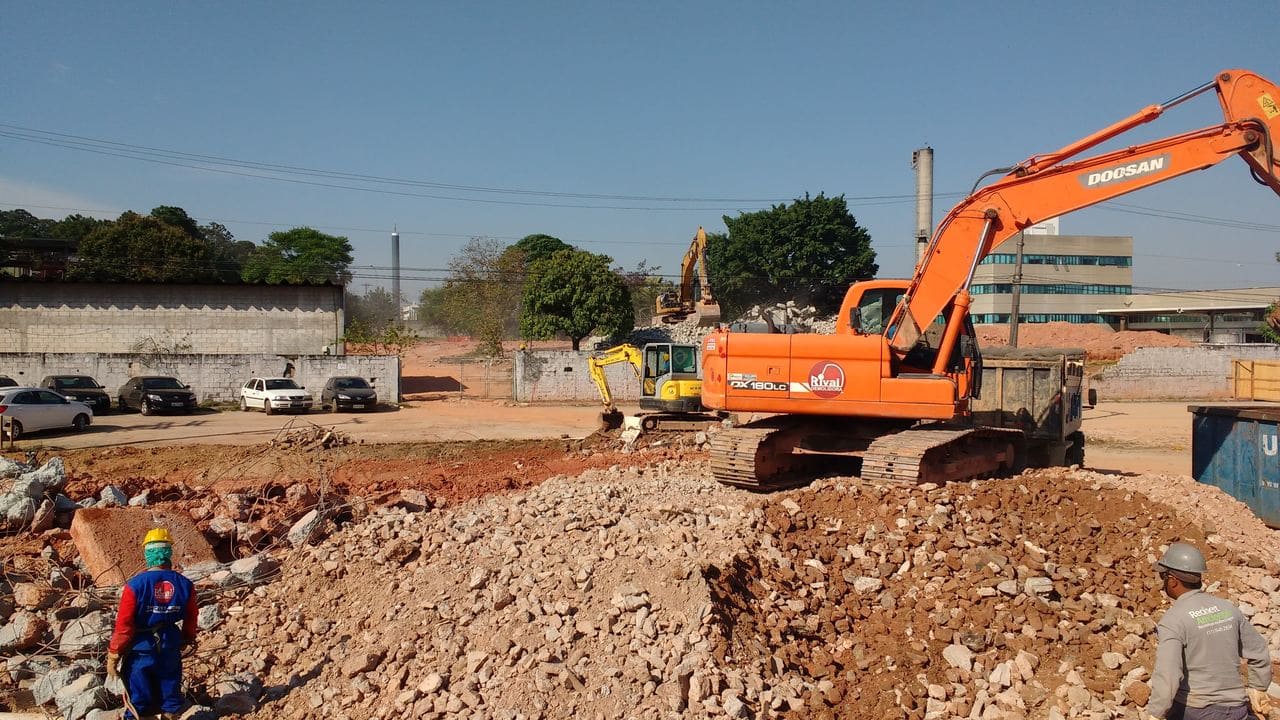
x=1123, y=437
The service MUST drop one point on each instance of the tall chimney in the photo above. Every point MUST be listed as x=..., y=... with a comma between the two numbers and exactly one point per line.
x=395, y=271
x=922, y=161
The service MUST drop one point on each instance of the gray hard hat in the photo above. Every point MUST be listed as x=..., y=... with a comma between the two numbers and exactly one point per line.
x=1183, y=558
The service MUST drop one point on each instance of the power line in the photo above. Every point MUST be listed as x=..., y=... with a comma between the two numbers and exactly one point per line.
x=286, y=173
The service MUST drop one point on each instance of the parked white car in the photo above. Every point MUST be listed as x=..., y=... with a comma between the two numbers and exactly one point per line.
x=277, y=394
x=34, y=409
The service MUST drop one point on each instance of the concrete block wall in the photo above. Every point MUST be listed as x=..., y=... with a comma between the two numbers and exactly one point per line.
x=1177, y=373
x=213, y=377
x=562, y=376
x=115, y=317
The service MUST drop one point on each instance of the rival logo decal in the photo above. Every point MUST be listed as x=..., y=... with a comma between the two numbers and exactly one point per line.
x=164, y=592
x=1120, y=173
x=826, y=380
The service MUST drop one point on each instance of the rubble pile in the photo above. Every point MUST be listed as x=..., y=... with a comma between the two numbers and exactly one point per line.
x=1026, y=597
x=310, y=436
x=56, y=627
x=790, y=315
x=581, y=597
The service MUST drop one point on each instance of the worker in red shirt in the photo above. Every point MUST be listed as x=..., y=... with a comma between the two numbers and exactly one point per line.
x=156, y=621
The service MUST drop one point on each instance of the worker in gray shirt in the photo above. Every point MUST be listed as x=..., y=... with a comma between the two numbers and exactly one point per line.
x=1202, y=638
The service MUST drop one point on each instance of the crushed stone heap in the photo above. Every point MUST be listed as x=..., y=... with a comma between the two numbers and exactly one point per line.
x=656, y=593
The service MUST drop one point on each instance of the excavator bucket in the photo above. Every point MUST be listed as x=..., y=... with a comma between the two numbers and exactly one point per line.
x=610, y=420
x=708, y=314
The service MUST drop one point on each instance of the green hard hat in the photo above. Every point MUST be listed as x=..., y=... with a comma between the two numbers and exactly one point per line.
x=1183, y=558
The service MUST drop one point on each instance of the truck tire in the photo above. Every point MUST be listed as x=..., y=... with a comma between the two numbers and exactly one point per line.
x=1075, y=453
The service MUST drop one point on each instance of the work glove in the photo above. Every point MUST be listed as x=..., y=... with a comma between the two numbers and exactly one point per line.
x=113, y=666
x=1259, y=701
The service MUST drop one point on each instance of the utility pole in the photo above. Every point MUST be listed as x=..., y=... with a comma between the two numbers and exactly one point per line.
x=1016, y=301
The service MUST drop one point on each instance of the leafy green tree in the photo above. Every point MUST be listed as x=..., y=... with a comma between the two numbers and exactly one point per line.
x=574, y=293
x=140, y=248
x=76, y=227
x=20, y=224
x=301, y=255
x=178, y=218
x=808, y=251
x=229, y=255
x=539, y=247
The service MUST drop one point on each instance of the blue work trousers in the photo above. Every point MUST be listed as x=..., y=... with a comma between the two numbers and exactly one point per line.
x=154, y=682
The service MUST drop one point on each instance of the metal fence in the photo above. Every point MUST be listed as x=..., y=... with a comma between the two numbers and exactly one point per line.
x=481, y=378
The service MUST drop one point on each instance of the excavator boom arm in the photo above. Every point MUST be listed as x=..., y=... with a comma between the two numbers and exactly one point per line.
x=1048, y=186
x=598, y=362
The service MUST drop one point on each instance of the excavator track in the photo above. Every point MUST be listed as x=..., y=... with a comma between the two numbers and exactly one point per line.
x=939, y=454
x=778, y=457
x=745, y=457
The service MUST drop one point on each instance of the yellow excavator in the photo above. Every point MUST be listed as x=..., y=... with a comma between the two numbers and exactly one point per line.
x=674, y=307
x=670, y=385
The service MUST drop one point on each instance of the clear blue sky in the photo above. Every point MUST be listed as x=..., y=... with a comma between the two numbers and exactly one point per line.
x=724, y=106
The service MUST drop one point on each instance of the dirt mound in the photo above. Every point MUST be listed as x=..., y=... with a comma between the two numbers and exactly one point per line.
x=581, y=597
x=876, y=601
x=1100, y=341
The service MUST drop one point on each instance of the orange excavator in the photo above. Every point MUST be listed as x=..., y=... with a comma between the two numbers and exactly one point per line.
x=891, y=390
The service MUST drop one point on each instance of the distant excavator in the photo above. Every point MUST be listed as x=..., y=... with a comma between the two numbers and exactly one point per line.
x=685, y=302
x=670, y=386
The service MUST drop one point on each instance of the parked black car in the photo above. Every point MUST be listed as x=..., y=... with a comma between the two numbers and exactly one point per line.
x=348, y=393
x=155, y=393
x=6, y=381
x=82, y=388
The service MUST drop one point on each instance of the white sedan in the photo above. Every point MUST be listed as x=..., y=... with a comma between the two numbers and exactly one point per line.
x=275, y=395
x=35, y=409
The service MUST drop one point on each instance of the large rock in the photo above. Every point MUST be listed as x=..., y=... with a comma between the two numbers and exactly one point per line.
x=35, y=596
x=253, y=569
x=86, y=635
x=51, y=682
x=110, y=540
x=306, y=529
x=22, y=632
x=75, y=700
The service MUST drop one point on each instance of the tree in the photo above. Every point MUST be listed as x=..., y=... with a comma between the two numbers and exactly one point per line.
x=228, y=254
x=435, y=310
x=18, y=225
x=140, y=248
x=645, y=285
x=482, y=294
x=539, y=247
x=76, y=227
x=808, y=251
x=574, y=293
x=375, y=309
x=298, y=256
x=178, y=218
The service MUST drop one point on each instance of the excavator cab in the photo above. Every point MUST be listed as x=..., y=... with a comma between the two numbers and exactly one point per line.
x=671, y=378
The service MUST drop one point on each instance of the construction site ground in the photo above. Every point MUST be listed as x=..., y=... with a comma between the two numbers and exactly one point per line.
x=1126, y=437
x=480, y=559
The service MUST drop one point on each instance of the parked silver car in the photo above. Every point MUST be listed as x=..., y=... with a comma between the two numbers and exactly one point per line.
x=34, y=409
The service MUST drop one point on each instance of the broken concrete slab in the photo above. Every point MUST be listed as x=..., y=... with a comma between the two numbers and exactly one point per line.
x=110, y=540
